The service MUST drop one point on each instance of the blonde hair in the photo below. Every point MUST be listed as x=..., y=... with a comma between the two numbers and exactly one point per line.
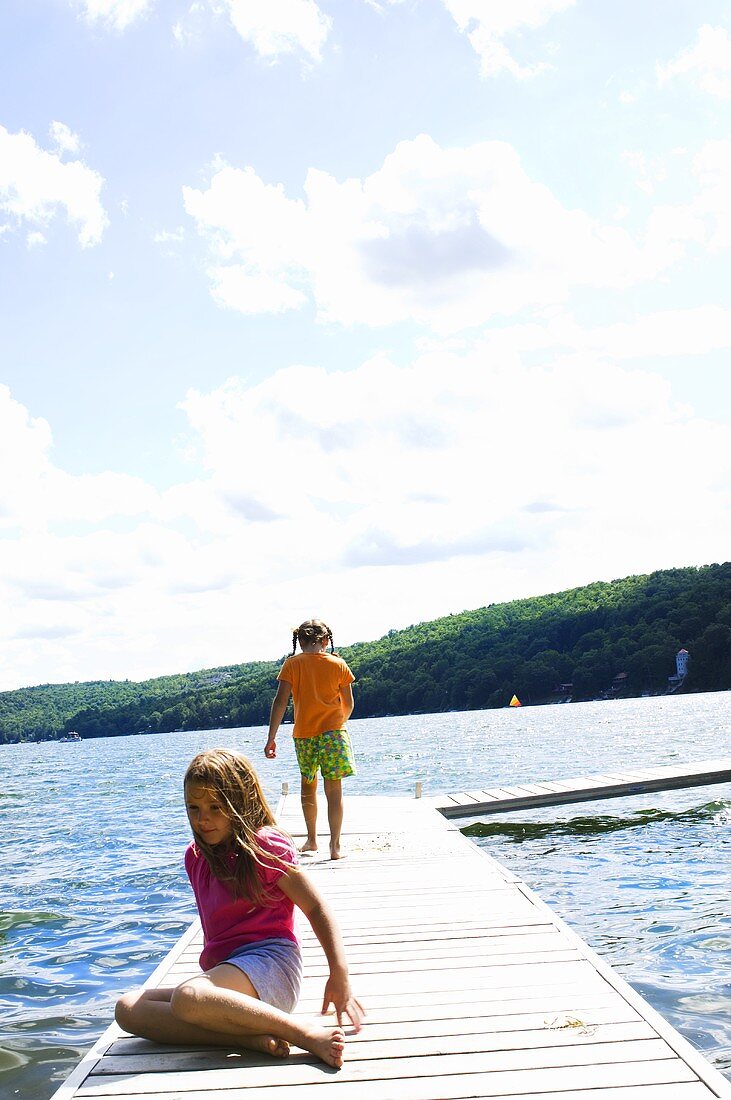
x=231, y=777
x=311, y=630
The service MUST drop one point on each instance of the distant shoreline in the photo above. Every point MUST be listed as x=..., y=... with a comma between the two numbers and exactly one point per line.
x=383, y=717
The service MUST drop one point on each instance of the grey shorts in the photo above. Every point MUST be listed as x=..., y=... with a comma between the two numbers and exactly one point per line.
x=274, y=968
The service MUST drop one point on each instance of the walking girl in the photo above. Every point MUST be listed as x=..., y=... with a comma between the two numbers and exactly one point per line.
x=246, y=882
x=321, y=684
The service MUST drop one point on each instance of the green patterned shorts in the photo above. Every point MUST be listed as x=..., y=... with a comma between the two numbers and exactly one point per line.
x=331, y=752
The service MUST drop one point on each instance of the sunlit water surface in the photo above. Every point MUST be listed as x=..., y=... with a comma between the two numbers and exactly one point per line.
x=94, y=893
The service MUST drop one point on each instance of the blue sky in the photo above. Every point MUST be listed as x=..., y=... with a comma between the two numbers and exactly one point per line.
x=374, y=311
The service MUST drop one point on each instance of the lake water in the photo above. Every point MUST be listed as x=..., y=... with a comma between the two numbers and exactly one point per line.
x=93, y=834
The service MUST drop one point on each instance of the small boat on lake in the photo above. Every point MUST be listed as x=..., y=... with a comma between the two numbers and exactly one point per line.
x=69, y=738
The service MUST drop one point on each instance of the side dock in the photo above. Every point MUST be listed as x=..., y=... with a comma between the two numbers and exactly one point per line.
x=587, y=788
x=473, y=988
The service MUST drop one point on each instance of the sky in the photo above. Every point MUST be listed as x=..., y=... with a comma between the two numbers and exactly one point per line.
x=368, y=310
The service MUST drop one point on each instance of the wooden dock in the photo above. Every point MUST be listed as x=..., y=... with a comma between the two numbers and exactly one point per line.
x=473, y=988
x=587, y=788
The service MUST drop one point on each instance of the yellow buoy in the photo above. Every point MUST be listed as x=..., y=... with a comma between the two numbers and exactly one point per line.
x=515, y=701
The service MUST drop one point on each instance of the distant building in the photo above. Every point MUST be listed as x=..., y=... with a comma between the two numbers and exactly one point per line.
x=619, y=683
x=681, y=670
x=215, y=678
x=563, y=693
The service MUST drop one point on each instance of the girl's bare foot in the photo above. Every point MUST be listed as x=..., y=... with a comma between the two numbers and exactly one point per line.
x=334, y=851
x=326, y=1043
x=308, y=846
x=267, y=1044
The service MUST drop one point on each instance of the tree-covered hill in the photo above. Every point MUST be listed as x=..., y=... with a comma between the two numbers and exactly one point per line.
x=53, y=709
x=583, y=639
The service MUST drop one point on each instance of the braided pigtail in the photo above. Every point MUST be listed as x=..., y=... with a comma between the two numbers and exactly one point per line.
x=294, y=642
x=311, y=631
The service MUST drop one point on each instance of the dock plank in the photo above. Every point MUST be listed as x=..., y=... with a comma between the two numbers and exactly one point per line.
x=618, y=1085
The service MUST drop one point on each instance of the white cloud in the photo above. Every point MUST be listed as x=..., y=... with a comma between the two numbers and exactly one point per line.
x=487, y=25
x=117, y=14
x=444, y=237
x=712, y=168
x=682, y=332
x=35, y=185
x=380, y=5
x=248, y=220
x=275, y=27
x=650, y=170
x=170, y=236
x=707, y=63
x=453, y=463
x=448, y=411
x=190, y=27
x=65, y=140
x=260, y=293
x=699, y=331
x=705, y=220
x=378, y=496
x=35, y=494
x=245, y=216
x=24, y=440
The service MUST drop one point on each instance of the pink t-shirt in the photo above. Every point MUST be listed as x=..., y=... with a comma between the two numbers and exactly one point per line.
x=229, y=922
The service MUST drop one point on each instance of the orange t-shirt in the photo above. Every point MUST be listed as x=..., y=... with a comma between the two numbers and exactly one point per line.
x=316, y=680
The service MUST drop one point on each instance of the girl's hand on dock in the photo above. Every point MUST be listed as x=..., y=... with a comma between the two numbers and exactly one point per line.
x=339, y=995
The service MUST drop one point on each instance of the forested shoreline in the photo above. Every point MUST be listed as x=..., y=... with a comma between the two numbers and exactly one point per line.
x=606, y=639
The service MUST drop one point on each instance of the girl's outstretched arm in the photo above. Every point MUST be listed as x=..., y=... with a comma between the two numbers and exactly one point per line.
x=279, y=707
x=338, y=993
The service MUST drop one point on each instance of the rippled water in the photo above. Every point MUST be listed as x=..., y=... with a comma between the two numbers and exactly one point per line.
x=94, y=893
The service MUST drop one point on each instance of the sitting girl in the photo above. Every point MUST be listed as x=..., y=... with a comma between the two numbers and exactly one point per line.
x=246, y=883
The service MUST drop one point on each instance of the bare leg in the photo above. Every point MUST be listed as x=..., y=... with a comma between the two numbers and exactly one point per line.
x=334, y=795
x=221, y=1007
x=308, y=792
x=147, y=1013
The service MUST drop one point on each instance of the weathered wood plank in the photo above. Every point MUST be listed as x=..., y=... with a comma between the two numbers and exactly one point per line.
x=463, y=932
x=505, y=903
x=420, y=1001
x=478, y=1087
x=408, y=896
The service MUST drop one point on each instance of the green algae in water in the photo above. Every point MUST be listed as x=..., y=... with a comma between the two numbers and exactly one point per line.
x=20, y=919
x=597, y=825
